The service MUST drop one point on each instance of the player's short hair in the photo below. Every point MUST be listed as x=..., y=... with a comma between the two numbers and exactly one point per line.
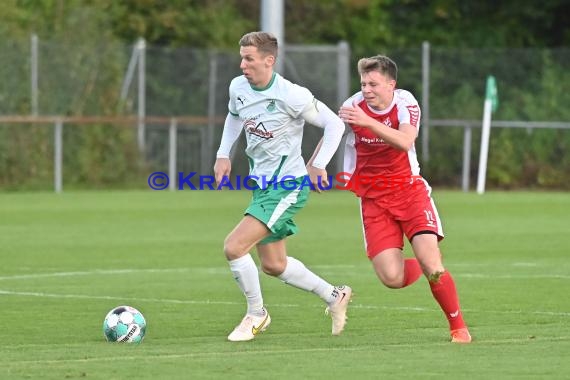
x=264, y=42
x=380, y=63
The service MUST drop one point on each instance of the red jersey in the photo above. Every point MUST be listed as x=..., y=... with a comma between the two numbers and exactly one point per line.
x=374, y=167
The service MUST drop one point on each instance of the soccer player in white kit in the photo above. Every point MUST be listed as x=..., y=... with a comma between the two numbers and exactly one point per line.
x=272, y=112
x=383, y=171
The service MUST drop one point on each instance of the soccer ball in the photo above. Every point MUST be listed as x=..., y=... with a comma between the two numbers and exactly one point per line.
x=124, y=324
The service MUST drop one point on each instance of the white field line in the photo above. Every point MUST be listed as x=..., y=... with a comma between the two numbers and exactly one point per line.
x=210, y=302
x=512, y=276
x=224, y=271
x=99, y=272
x=295, y=351
x=347, y=270
x=114, y=298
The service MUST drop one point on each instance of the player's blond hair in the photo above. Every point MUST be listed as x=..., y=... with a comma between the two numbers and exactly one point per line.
x=264, y=42
x=380, y=63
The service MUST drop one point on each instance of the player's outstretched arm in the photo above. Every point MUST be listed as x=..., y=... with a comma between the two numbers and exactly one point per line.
x=315, y=173
x=318, y=114
x=223, y=165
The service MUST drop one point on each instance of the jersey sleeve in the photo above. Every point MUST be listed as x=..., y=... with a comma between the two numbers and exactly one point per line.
x=409, y=110
x=353, y=100
x=232, y=109
x=318, y=114
x=232, y=130
x=297, y=100
x=349, y=162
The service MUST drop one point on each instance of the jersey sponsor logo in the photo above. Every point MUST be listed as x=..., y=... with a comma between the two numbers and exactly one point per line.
x=241, y=99
x=414, y=114
x=258, y=130
x=375, y=140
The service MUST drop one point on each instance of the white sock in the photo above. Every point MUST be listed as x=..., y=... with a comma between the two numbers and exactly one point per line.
x=297, y=274
x=247, y=277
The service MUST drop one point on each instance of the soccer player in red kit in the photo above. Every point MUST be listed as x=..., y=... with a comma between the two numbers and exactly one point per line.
x=383, y=171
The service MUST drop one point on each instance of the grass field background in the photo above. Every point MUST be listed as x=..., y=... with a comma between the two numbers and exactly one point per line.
x=67, y=259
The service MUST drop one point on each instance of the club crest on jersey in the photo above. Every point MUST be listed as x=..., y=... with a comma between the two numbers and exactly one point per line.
x=271, y=106
x=258, y=130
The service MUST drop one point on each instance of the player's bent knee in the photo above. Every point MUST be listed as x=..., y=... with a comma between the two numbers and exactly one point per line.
x=392, y=280
x=273, y=268
x=393, y=284
x=232, y=249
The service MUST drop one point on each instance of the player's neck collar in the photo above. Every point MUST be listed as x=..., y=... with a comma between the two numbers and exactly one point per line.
x=273, y=76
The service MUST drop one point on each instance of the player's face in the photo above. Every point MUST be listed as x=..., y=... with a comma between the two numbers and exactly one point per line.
x=377, y=89
x=256, y=67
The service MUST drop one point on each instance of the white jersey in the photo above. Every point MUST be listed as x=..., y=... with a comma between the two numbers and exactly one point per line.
x=273, y=127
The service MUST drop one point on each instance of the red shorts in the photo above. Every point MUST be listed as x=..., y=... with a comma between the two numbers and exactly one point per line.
x=386, y=219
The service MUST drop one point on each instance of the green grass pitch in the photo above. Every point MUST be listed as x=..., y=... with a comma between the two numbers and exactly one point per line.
x=67, y=259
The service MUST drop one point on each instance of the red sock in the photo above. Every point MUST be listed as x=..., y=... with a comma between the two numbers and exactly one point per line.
x=445, y=294
x=412, y=271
